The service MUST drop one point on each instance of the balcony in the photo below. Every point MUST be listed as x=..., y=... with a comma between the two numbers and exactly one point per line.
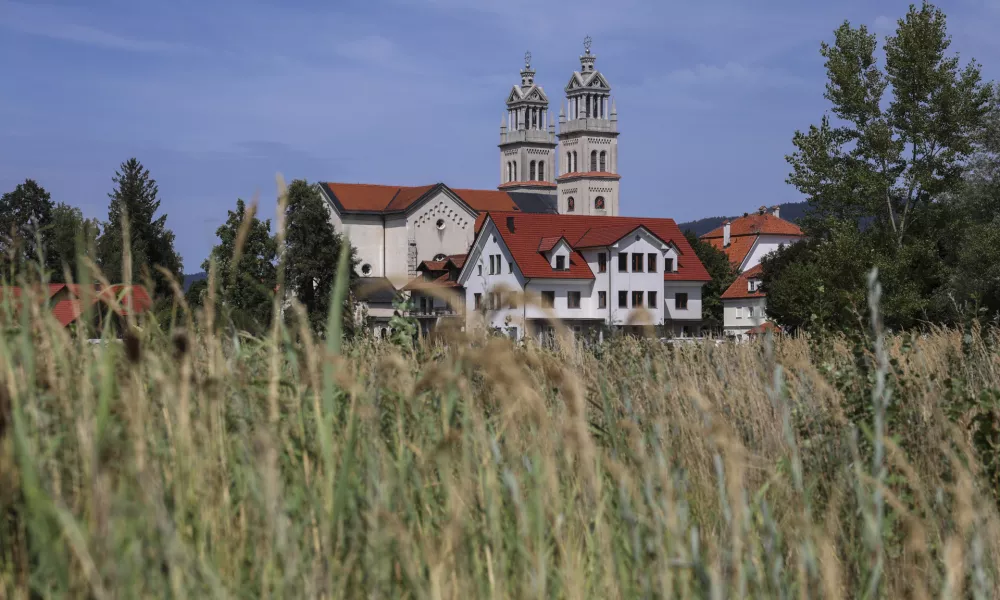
x=591, y=124
x=539, y=136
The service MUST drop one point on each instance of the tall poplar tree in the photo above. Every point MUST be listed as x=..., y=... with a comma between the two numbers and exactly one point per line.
x=880, y=174
x=137, y=196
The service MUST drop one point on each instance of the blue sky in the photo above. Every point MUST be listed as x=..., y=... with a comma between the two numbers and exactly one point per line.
x=216, y=96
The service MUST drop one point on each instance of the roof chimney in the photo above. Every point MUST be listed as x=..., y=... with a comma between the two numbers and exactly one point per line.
x=510, y=224
x=776, y=211
x=725, y=234
x=762, y=209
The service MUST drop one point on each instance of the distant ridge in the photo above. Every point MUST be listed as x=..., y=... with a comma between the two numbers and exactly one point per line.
x=790, y=211
x=193, y=277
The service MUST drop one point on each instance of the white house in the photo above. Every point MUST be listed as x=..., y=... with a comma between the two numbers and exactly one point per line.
x=746, y=241
x=587, y=271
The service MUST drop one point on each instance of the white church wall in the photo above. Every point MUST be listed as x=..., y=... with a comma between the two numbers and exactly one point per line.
x=397, y=268
x=367, y=234
x=441, y=226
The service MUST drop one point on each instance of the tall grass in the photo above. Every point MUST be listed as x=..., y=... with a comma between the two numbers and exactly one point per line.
x=195, y=463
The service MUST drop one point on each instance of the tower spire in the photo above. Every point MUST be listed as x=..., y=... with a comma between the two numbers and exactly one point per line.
x=527, y=137
x=588, y=142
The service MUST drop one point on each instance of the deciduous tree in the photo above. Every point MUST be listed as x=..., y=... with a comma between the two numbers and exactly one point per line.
x=312, y=250
x=245, y=261
x=25, y=220
x=723, y=275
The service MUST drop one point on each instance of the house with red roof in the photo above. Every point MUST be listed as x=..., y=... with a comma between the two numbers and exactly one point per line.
x=542, y=172
x=746, y=241
x=71, y=302
x=435, y=294
x=525, y=270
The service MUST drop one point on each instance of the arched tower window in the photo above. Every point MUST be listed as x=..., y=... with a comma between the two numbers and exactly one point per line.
x=570, y=204
x=593, y=160
x=541, y=170
x=515, y=171
x=532, y=172
x=576, y=163
x=599, y=203
x=604, y=161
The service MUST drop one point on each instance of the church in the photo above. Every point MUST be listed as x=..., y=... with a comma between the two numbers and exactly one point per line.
x=548, y=169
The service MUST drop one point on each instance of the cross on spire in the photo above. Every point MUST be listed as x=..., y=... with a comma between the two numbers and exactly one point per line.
x=527, y=59
x=586, y=44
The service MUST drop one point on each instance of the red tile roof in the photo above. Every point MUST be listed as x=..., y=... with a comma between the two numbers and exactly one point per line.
x=741, y=287
x=744, y=231
x=548, y=243
x=757, y=224
x=420, y=283
x=486, y=200
x=363, y=197
x=531, y=229
x=442, y=273
x=764, y=328
x=69, y=309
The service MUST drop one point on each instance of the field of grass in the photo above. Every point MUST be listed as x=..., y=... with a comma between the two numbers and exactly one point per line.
x=200, y=464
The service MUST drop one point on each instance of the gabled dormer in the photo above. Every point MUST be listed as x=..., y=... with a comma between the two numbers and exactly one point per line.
x=557, y=252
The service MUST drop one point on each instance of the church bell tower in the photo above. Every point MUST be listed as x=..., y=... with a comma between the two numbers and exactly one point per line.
x=588, y=143
x=527, y=138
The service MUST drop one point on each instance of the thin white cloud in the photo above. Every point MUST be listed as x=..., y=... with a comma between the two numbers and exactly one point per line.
x=47, y=22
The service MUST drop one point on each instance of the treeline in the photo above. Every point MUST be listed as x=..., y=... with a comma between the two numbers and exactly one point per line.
x=41, y=240
x=902, y=174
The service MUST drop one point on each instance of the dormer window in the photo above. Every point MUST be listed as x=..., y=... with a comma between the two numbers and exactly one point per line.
x=560, y=263
x=753, y=285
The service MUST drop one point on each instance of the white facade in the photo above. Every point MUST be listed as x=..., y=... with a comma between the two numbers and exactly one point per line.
x=764, y=245
x=613, y=297
x=392, y=245
x=743, y=314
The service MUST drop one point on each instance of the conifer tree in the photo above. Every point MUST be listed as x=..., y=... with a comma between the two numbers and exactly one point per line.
x=151, y=243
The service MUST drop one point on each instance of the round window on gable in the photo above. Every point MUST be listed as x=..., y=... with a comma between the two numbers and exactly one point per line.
x=439, y=257
x=366, y=269
x=440, y=224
